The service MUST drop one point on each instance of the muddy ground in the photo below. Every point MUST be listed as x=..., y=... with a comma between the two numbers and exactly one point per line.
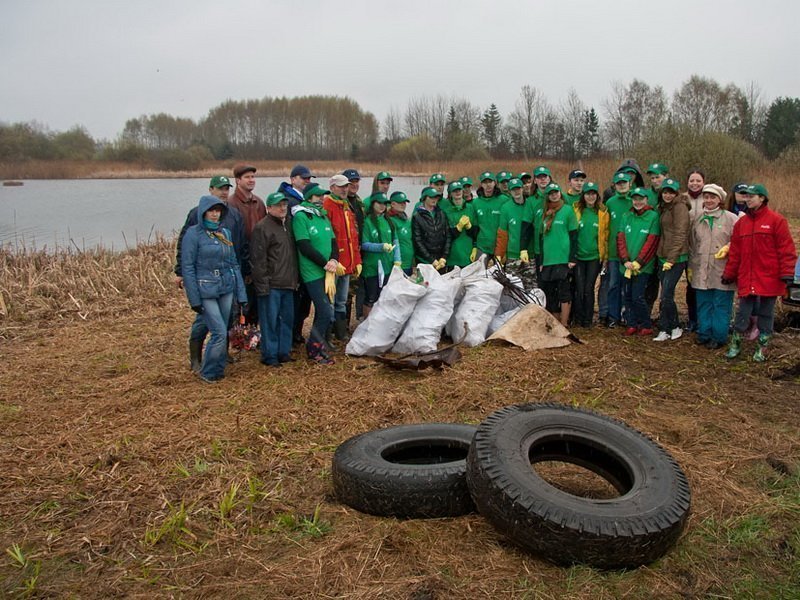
x=123, y=475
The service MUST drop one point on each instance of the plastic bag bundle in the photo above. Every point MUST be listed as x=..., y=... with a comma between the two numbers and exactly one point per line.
x=378, y=332
x=500, y=319
x=424, y=327
x=476, y=310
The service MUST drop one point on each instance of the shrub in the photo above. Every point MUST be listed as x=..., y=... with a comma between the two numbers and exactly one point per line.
x=175, y=160
x=724, y=159
x=414, y=149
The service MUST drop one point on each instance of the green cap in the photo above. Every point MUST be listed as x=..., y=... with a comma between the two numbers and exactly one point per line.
x=671, y=184
x=429, y=192
x=219, y=181
x=758, y=189
x=524, y=175
x=383, y=175
x=376, y=197
x=466, y=181
x=657, y=169
x=503, y=176
x=552, y=187
x=639, y=191
x=314, y=190
x=455, y=185
x=488, y=175
x=542, y=170
x=275, y=198
x=590, y=186
x=514, y=183
x=436, y=178
x=621, y=176
x=398, y=197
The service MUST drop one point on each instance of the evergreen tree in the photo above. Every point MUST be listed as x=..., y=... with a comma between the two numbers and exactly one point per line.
x=491, y=122
x=782, y=127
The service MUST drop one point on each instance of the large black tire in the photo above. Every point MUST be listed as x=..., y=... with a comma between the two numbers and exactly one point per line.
x=408, y=471
x=629, y=530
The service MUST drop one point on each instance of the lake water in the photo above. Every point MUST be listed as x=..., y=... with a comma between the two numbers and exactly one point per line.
x=117, y=213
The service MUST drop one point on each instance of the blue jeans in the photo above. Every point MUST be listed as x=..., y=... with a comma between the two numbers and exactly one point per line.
x=669, y=310
x=323, y=311
x=216, y=313
x=340, y=299
x=275, y=318
x=614, y=291
x=602, y=296
x=638, y=312
x=714, y=314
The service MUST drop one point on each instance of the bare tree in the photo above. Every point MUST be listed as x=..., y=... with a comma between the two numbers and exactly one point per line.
x=527, y=120
x=632, y=112
x=572, y=112
x=392, y=125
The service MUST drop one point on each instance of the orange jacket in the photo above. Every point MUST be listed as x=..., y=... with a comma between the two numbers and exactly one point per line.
x=344, y=226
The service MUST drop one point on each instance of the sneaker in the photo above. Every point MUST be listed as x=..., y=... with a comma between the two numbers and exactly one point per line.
x=662, y=336
x=646, y=331
x=676, y=333
x=631, y=331
x=612, y=324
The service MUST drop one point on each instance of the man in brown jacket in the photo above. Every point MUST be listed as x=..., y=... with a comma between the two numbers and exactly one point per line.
x=273, y=261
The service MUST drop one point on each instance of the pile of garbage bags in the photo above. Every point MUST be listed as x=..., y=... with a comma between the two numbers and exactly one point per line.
x=410, y=315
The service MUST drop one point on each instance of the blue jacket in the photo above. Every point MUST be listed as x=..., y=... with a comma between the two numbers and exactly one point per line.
x=209, y=266
x=233, y=222
x=292, y=195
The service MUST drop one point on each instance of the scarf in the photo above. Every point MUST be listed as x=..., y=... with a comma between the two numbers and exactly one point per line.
x=550, y=213
x=212, y=230
x=695, y=195
x=710, y=215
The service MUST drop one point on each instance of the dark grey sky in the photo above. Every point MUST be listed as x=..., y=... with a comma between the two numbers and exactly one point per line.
x=98, y=63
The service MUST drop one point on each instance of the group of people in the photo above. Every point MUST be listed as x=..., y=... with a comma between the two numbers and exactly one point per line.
x=307, y=245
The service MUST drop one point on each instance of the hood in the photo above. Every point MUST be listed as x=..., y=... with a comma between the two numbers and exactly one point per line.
x=207, y=202
x=287, y=190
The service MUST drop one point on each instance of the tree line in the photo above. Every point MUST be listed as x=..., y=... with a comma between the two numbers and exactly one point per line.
x=633, y=116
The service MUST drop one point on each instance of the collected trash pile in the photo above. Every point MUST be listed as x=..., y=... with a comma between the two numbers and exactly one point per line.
x=434, y=470
x=470, y=305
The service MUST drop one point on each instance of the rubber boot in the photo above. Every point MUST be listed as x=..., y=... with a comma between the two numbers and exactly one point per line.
x=763, y=341
x=195, y=355
x=735, y=346
x=340, y=330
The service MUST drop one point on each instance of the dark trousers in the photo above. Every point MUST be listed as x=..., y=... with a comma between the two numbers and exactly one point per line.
x=585, y=274
x=762, y=307
x=302, y=308
x=669, y=309
x=323, y=310
x=635, y=304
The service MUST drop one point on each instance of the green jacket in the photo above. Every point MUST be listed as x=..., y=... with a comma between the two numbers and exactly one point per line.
x=463, y=241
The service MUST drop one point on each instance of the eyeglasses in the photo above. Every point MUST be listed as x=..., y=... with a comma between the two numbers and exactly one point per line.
x=306, y=178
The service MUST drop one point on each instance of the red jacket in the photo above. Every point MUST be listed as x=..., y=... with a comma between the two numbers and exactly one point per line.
x=344, y=226
x=761, y=254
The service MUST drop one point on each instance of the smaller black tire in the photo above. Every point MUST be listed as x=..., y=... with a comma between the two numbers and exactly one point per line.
x=408, y=471
x=634, y=528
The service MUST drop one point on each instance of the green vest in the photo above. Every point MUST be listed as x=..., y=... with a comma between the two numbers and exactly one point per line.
x=310, y=223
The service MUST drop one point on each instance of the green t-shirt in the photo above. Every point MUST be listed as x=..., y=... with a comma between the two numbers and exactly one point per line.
x=462, y=244
x=555, y=242
x=310, y=223
x=511, y=217
x=636, y=229
x=569, y=198
x=376, y=231
x=588, y=232
x=402, y=229
x=617, y=207
x=487, y=216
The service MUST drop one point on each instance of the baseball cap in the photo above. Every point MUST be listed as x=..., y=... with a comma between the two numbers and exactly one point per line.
x=488, y=175
x=455, y=185
x=542, y=170
x=436, y=178
x=657, y=169
x=671, y=184
x=351, y=174
x=514, y=183
x=219, y=181
x=383, y=175
x=430, y=192
x=313, y=189
x=275, y=198
x=300, y=170
x=339, y=180
x=621, y=176
x=639, y=191
x=590, y=186
x=576, y=173
x=466, y=180
x=398, y=197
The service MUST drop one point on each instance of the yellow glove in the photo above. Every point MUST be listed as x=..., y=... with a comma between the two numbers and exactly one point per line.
x=523, y=256
x=340, y=270
x=358, y=270
x=473, y=255
x=397, y=264
x=689, y=274
x=439, y=264
x=723, y=252
x=330, y=285
x=627, y=273
x=388, y=248
x=463, y=223
x=636, y=267
x=666, y=266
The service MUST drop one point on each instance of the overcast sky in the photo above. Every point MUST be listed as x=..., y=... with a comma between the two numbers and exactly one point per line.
x=98, y=63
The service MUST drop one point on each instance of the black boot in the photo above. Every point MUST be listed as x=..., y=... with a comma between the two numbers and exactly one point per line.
x=332, y=346
x=195, y=355
x=340, y=330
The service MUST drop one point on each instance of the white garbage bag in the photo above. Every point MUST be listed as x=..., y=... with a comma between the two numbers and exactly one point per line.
x=476, y=310
x=378, y=332
x=500, y=319
x=424, y=328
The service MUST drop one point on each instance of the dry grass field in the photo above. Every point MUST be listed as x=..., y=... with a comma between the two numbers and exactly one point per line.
x=122, y=475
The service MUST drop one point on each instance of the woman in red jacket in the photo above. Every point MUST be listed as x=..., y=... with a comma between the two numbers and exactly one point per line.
x=761, y=262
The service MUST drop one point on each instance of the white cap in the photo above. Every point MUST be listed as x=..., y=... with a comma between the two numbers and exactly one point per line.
x=339, y=180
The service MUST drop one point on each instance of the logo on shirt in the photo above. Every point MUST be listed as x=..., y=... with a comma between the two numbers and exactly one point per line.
x=313, y=230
